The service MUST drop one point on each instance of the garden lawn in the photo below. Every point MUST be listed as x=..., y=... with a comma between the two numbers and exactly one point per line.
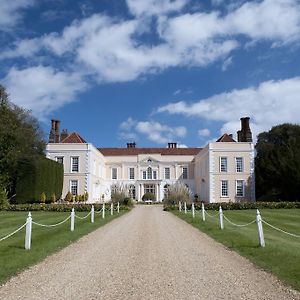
x=45, y=241
x=281, y=256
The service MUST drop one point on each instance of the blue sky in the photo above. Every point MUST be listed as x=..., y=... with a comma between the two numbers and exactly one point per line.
x=153, y=71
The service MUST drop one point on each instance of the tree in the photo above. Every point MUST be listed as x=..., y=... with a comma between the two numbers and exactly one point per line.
x=277, y=163
x=20, y=137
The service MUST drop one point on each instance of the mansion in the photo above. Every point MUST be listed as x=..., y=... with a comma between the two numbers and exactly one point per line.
x=222, y=171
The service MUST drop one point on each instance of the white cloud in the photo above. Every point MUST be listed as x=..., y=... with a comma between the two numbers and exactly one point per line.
x=155, y=7
x=42, y=89
x=227, y=62
x=154, y=131
x=204, y=132
x=10, y=12
x=269, y=104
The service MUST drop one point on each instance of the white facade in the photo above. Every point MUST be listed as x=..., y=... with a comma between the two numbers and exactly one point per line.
x=87, y=169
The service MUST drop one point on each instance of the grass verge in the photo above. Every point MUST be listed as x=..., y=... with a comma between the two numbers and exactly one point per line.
x=281, y=256
x=45, y=241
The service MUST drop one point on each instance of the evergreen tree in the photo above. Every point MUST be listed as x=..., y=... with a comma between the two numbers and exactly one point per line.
x=277, y=163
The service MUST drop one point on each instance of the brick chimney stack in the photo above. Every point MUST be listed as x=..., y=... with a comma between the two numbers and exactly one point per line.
x=131, y=145
x=57, y=131
x=245, y=134
x=172, y=145
x=64, y=134
x=52, y=132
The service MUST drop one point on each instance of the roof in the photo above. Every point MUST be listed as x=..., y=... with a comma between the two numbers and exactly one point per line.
x=73, y=138
x=225, y=138
x=137, y=151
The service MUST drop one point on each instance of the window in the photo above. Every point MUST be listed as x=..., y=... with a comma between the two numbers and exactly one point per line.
x=131, y=173
x=224, y=188
x=154, y=175
x=74, y=187
x=223, y=164
x=239, y=163
x=74, y=164
x=149, y=188
x=184, y=173
x=60, y=159
x=167, y=173
x=149, y=173
x=144, y=175
x=240, y=191
x=114, y=173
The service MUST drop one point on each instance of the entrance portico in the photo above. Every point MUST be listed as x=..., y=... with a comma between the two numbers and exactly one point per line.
x=149, y=186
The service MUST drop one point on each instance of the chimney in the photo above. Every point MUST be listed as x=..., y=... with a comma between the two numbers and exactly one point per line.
x=64, y=134
x=245, y=134
x=231, y=135
x=52, y=132
x=131, y=145
x=57, y=135
x=172, y=145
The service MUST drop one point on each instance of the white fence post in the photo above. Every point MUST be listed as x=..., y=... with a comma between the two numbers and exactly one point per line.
x=111, y=209
x=179, y=206
x=221, y=217
x=118, y=207
x=103, y=210
x=92, y=214
x=203, y=212
x=28, y=232
x=185, y=207
x=260, y=229
x=72, y=219
x=193, y=210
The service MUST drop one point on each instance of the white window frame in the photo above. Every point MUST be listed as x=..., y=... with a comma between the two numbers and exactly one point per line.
x=70, y=186
x=129, y=173
x=187, y=172
x=224, y=196
x=169, y=173
x=236, y=164
x=154, y=174
x=223, y=157
x=72, y=158
x=112, y=173
x=243, y=188
x=144, y=174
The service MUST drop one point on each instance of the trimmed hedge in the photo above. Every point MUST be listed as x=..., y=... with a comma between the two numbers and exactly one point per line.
x=239, y=205
x=37, y=176
x=56, y=207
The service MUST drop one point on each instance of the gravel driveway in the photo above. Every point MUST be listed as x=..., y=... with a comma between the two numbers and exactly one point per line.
x=146, y=254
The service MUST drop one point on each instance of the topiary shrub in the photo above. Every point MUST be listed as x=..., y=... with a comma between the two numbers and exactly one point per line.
x=127, y=201
x=86, y=196
x=53, y=198
x=69, y=197
x=148, y=196
x=43, y=197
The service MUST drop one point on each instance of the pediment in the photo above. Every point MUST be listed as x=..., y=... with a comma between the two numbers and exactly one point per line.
x=149, y=160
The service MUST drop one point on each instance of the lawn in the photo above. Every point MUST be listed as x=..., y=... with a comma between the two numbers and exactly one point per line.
x=45, y=241
x=281, y=256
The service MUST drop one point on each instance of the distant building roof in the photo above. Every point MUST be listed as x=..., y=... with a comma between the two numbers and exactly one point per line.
x=73, y=138
x=225, y=138
x=137, y=151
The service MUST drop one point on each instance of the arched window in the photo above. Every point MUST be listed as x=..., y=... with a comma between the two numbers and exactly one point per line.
x=149, y=173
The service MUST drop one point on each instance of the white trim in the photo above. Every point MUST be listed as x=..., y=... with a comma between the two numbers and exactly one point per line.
x=70, y=185
x=227, y=196
x=71, y=164
x=243, y=164
x=220, y=164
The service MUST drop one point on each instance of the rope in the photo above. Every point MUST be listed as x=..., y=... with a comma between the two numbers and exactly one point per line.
x=278, y=229
x=98, y=212
x=11, y=234
x=82, y=218
x=212, y=216
x=51, y=225
x=239, y=225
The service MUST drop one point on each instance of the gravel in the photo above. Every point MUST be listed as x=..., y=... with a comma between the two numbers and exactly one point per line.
x=146, y=254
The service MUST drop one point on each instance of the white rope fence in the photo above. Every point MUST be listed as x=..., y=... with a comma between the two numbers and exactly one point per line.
x=11, y=234
x=259, y=221
x=72, y=216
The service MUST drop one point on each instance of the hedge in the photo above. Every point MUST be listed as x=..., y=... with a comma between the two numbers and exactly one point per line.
x=57, y=207
x=37, y=176
x=239, y=205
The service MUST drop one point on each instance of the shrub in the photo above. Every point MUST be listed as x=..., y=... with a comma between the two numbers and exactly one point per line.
x=127, y=201
x=69, y=197
x=148, y=196
x=53, y=198
x=85, y=196
x=43, y=197
x=37, y=176
x=178, y=192
x=3, y=197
